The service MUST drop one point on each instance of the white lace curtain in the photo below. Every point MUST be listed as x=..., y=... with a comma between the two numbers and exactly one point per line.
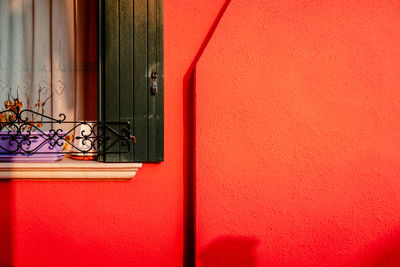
x=41, y=47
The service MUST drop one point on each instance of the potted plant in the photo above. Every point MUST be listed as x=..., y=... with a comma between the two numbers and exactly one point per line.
x=21, y=136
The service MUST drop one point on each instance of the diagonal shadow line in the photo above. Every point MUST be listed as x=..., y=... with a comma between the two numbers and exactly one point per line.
x=209, y=35
x=189, y=147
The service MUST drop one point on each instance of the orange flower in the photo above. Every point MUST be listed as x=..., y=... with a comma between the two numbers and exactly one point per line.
x=18, y=103
x=3, y=118
x=7, y=104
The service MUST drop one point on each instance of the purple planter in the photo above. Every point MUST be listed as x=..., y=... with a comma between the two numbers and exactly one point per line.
x=30, y=147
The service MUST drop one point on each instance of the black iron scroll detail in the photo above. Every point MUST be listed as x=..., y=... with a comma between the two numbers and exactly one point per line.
x=19, y=135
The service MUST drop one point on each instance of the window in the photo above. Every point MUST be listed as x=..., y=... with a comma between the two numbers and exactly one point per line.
x=130, y=74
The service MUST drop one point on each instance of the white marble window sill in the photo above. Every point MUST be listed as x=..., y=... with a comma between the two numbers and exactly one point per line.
x=68, y=169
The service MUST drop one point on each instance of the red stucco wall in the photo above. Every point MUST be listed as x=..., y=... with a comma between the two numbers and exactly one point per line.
x=298, y=122
x=135, y=223
x=297, y=160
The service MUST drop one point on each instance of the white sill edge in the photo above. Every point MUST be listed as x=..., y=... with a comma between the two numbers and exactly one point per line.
x=68, y=169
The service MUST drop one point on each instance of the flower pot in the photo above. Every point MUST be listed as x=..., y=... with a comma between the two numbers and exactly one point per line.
x=31, y=146
x=81, y=131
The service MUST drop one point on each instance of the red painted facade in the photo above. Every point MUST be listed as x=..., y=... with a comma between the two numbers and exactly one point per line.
x=296, y=152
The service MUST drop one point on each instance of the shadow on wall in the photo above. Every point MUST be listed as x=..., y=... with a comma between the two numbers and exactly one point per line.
x=382, y=252
x=229, y=251
x=5, y=224
x=189, y=145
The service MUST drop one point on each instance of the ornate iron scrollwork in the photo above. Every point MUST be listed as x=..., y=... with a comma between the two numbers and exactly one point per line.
x=20, y=135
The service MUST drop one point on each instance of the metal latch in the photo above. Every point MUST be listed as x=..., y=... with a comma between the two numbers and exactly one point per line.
x=154, y=83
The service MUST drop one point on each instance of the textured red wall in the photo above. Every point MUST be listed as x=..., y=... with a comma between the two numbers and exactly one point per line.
x=298, y=123
x=135, y=223
x=297, y=149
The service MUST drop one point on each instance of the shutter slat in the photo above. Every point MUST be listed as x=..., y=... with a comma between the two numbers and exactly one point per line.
x=140, y=80
x=152, y=67
x=111, y=73
x=126, y=70
x=160, y=70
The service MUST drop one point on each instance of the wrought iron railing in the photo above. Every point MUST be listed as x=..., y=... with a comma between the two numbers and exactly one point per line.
x=21, y=135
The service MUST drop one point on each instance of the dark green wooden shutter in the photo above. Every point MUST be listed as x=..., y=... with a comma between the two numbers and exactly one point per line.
x=130, y=50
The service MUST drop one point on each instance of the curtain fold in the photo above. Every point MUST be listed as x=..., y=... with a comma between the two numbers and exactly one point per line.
x=42, y=54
